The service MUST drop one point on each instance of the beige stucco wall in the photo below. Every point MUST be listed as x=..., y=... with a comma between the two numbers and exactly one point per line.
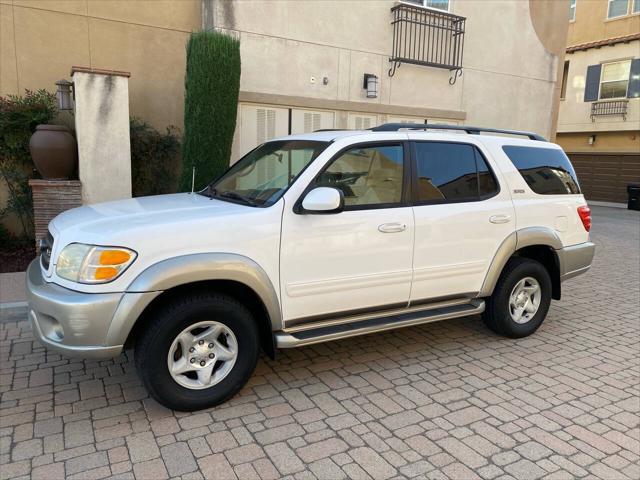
x=575, y=112
x=605, y=142
x=102, y=131
x=510, y=60
x=41, y=39
x=509, y=74
x=591, y=23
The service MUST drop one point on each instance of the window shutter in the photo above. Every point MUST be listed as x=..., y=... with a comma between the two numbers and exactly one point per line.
x=592, y=86
x=312, y=122
x=634, y=79
x=266, y=124
x=362, y=123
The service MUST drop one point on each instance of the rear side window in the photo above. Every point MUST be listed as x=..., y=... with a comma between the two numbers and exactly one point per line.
x=547, y=171
x=452, y=172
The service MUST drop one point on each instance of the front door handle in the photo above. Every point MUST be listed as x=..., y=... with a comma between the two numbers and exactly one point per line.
x=500, y=218
x=392, y=227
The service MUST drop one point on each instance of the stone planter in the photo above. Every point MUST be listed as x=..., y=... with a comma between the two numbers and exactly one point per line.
x=54, y=151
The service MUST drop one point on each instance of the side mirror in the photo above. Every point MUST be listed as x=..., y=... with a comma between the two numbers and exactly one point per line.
x=323, y=200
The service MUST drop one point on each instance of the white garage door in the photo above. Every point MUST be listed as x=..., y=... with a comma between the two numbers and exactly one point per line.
x=443, y=121
x=259, y=123
x=361, y=121
x=305, y=121
x=392, y=119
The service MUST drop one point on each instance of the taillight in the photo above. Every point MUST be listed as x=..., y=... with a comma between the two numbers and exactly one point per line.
x=585, y=215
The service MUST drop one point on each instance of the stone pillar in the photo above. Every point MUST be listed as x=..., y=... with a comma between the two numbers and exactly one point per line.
x=102, y=131
x=50, y=198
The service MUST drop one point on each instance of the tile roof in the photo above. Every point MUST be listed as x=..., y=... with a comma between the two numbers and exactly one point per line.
x=603, y=43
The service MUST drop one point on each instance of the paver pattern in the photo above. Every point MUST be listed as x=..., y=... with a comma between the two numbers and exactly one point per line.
x=445, y=400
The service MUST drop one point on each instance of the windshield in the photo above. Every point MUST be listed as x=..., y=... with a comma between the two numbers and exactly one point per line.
x=261, y=177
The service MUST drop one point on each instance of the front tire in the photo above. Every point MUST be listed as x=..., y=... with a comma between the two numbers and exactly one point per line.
x=197, y=351
x=520, y=300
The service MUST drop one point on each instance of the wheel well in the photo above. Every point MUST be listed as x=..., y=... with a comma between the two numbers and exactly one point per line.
x=237, y=290
x=547, y=257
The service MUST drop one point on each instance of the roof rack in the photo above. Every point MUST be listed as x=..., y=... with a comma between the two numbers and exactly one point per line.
x=394, y=127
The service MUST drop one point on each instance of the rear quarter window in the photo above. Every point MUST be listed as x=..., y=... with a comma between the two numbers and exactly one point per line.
x=547, y=171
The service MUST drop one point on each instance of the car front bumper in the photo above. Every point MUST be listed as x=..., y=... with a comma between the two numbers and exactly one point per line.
x=575, y=260
x=70, y=322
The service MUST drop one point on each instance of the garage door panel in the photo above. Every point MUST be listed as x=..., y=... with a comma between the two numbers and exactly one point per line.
x=604, y=177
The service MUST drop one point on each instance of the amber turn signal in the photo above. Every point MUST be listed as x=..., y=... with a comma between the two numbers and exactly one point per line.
x=114, y=257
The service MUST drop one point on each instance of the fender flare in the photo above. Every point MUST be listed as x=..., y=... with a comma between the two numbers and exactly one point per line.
x=185, y=269
x=517, y=240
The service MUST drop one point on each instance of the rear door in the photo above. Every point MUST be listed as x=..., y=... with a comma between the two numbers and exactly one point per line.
x=461, y=218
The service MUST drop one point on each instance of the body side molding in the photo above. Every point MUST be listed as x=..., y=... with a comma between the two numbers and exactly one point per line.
x=500, y=259
x=199, y=267
x=517, y=240
x=538, y=236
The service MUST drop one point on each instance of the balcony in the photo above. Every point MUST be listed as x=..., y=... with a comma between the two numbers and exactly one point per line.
x=609, y=108
x=427, y=37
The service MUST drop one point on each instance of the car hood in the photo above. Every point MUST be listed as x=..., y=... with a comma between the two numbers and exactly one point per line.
x=113, y=220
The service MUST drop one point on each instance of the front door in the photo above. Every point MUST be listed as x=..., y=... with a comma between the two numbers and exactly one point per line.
x=462, y=217
x=358, y=259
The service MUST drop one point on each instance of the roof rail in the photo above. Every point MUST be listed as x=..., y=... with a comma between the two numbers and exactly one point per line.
x=394, y=127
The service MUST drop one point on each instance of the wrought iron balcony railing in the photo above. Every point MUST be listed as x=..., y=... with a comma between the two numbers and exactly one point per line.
x=609, y=107
x=427, y=37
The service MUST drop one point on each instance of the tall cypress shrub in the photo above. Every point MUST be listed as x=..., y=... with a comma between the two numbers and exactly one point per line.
x=212, y=84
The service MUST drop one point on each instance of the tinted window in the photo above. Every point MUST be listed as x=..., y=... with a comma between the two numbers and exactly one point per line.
x=547, y=171
x=452, y=172
x=487, y=184
x=367, y=175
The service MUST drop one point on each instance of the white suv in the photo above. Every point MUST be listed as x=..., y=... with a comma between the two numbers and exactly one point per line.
x=311, y=238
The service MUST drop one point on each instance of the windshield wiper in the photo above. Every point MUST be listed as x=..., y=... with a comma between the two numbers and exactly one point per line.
x=208, y=191
x=236, y=196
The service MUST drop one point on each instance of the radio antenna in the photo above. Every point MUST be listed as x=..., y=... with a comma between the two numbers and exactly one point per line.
x=193, y=179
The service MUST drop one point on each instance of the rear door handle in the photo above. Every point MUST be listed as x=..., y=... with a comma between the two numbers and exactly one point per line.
x=392, y=227
x=500, y=218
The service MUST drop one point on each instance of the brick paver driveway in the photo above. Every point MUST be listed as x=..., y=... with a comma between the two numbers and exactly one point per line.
x=446, y=400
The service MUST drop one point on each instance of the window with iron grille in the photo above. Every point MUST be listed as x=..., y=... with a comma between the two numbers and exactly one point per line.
x=427, y=37
x=436, y=4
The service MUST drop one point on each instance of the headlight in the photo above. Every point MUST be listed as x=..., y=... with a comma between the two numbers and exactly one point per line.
x=91, y=264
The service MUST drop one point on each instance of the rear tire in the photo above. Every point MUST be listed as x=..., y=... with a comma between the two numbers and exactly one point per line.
x=196, y=335
x=520, y=300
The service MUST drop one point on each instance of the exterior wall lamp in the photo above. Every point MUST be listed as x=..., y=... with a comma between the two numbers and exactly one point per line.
x=65, y=95
x=592, y=139
x=370, y=84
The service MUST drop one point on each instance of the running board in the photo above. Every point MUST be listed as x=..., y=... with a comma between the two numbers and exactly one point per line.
x=286, y=339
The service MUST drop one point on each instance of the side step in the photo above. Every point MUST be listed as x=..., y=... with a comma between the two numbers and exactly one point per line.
x=320, y=334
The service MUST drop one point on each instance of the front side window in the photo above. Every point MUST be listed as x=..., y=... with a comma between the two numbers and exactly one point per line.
x=262, y=176
x=614, y=79
x=367, y=176
x=547, y=171
x=572, y=10
x=452, y=172
x=617, y=8
x=436, y=4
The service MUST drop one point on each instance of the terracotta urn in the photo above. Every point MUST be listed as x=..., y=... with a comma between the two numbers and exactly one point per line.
x=54, y=151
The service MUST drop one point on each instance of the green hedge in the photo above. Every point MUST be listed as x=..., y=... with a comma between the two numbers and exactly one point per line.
x=19, y=117
x=154, y=159
x=212, y=84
